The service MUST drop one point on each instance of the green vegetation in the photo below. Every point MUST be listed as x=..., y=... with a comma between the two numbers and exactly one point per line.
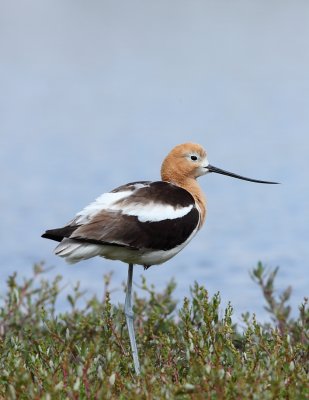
x=194, y=353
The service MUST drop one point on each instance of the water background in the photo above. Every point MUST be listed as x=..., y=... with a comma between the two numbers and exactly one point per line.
x=94, y=94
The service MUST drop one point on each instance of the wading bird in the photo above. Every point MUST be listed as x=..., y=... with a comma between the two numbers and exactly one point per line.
x=144, y=223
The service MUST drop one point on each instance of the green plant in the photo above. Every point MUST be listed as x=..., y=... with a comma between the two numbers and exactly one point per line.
x=195, y=352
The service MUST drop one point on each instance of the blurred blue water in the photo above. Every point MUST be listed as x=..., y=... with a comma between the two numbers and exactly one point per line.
x=95, y=95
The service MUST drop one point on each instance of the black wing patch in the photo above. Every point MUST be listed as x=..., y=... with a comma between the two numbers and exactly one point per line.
x=60, y=233
x=160, y=192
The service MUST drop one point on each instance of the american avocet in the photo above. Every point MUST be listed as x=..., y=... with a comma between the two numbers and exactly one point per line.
x=144, y=223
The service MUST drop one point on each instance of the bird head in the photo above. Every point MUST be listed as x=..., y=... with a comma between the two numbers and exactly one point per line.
x=188, y=160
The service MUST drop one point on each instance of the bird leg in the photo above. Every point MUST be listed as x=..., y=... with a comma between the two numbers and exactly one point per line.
x=130, y=319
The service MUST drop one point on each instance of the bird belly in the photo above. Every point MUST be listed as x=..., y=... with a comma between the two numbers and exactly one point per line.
x=140, y=257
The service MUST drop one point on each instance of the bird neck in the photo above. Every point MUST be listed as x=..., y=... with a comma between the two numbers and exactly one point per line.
x=191, y=186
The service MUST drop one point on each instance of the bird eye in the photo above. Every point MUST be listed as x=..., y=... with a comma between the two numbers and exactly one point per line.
x=193, y=158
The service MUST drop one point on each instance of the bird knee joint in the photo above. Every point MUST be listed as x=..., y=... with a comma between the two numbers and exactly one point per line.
x=129, y=314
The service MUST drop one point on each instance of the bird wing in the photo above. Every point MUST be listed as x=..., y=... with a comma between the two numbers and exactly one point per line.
x=139, y=215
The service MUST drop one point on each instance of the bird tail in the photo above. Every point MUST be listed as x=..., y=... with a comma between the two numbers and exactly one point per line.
x=74, y=251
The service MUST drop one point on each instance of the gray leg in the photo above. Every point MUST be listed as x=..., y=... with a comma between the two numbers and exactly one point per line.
x=130, y=318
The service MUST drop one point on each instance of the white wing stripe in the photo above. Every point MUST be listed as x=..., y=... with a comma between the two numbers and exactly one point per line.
x=147, y=212
x=155, y=212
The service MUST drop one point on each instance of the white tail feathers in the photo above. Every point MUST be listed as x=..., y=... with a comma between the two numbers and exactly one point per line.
x=73, y=251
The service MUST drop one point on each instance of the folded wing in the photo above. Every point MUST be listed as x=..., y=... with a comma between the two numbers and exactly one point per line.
x=138, y=216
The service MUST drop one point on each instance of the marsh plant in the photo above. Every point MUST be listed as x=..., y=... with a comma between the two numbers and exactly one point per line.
x=191, y=350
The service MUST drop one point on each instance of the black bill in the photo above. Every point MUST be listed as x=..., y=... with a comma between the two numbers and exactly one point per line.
x=211, y=168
